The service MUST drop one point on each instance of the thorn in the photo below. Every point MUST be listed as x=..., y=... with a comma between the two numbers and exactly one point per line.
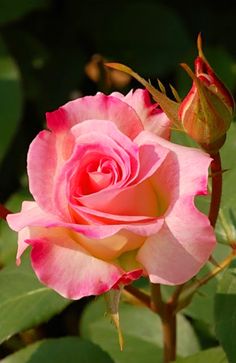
x=200, y=293
x=218, y=172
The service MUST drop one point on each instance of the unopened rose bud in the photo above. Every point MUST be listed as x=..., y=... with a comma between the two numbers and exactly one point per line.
x=206, y=112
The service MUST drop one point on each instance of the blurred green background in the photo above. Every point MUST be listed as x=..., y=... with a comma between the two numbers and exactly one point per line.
x=52, y=51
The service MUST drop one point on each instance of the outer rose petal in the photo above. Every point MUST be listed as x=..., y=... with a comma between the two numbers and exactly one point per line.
x=47, y=153
x=99, y=107
x=23, y=235
x=178, y=251
x=191, y=228
x=62, y=264
x=192, y=173
x=36, y=217
x=41, y=174
x=153, y=118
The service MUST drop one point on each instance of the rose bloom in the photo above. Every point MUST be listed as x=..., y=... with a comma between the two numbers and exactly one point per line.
x=114, y=199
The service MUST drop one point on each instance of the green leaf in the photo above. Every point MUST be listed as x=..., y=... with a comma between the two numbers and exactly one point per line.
x=225, y=312
x=14, y=9
x=142, y=333
x=228, y=205
x=24, y=302
x=8, y=244
x=8, y=237
x=202, y=305
x=62, y=350
x=215, y=355
x=10, y=98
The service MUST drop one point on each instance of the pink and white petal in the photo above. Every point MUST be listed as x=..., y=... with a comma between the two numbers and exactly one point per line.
x=62, y=264
x=23, y=235
x=30, y=215
x=166, y=261
x=72, y=181
x=104, y=134
x=102, y=126
x=112, y=247
x=129, y=200
x=151, y=157
x=129, y=277
x=152, y=117
x=191, y=228
x=100, y=107
x=36, y=217
x=68, y=187
x=193, y=165
x=46, y=155
x=94, y=216
x=41, y=165
x=139, y=100
x=158, y=123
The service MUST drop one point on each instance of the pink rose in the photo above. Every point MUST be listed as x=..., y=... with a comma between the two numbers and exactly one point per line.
x=113, y=200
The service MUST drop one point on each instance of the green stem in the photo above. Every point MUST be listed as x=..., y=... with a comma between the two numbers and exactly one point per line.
x=216, y=192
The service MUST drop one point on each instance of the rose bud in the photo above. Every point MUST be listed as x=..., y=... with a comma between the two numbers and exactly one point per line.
x=206, y=112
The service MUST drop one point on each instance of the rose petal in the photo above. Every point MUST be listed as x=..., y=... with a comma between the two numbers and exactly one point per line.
x=153, y=118
x=62, y=264
x=126, y=200
x=47, y=153
x=23, y=235
x=36, y=217
x=111, y=247
x=191, y=228
x=192, y=172
x=183, y=245
x=99, y=107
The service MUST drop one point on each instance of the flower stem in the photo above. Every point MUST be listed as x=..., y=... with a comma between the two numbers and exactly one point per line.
x=3, y=212
x=166, y=311
x=168, y=319
x=156, y=304
x=216, y=172
x=139, y=295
